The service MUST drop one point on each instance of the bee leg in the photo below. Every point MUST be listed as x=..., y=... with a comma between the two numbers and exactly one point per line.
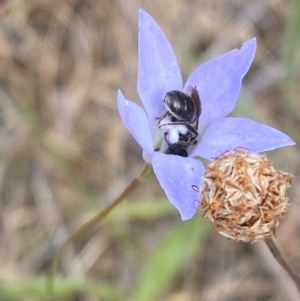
x=173, y=123
x=192, y=130
x=161, y=117
x=165, y=135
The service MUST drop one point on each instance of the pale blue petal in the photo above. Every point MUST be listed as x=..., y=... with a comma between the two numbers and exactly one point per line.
x=219, y=82
x=136, y=121
x=177, y=176
x=158, y=70
x=228, y=133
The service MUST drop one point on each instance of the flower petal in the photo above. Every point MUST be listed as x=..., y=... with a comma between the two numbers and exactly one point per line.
x=158, y=70
x=219, y=82
x=228, y=133
x=136, y=121
x=177, y=176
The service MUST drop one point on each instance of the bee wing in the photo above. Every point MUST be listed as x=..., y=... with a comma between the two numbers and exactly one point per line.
x=193, y=92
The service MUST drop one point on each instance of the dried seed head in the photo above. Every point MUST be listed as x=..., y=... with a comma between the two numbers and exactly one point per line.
x=244, y=196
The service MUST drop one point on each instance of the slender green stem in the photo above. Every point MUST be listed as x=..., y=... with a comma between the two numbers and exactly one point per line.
x=92, y=223
x=279, y=258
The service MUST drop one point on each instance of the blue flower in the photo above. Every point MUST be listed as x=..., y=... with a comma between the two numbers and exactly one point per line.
x=218, y=82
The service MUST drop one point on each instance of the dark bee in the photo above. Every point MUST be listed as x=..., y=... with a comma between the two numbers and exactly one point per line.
x=182, y=110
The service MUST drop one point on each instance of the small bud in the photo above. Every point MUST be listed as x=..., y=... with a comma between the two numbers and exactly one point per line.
x=244, y=196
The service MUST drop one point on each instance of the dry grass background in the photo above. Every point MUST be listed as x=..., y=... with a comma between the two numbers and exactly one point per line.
x=65, y=154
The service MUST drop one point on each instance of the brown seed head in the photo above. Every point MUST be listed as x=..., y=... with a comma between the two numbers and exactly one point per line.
x=244, y=196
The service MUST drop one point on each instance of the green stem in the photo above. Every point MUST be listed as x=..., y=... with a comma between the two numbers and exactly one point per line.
x=91, y=224
x=284, y=264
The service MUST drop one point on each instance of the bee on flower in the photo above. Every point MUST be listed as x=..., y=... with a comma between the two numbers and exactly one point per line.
x=171, y=138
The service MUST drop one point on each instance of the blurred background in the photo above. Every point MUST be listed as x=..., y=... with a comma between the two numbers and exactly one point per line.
x=65, y=154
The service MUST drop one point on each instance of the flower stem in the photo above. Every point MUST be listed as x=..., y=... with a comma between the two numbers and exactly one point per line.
x=284, y=264
x=92, y=223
